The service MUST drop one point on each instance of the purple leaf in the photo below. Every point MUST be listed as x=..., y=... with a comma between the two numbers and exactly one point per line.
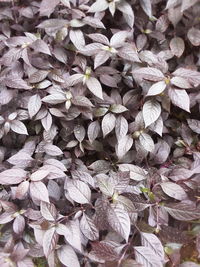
x=46, y=7
x=119, y=220
x=67, y=256
x=79, y=191
x=95, y=87
x=12, y=176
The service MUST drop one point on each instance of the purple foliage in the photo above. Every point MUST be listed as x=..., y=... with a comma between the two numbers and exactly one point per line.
x=99, y=133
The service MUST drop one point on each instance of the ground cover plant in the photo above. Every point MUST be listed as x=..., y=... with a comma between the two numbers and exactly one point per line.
x=99, y=133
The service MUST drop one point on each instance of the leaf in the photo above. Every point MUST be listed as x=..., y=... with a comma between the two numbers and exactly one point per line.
x=93, y=131
x=71, y=232
x=119, y=220
x=147, y=257
x=100, y=58
x=108, y=123
x=95, y=87
x=19, y=225
x=194, y=125
x=79, y=191
x=157, y=126
x=18, y=127
x=136, y=173
x=179, y=98
x=48, y=211
x=79, y=132
x=67, y=256
x=151, y=111
x=177, y=46
x=47, y=122
x=151, y=241
x=118, y=108
x=130, y=263
x=180, y=82
x=172, y=3
x=104, y=250
x=82, y=101
x=124, y=145
x=187, y=4
x=100, y=166
x=146, y=6
x=151, y=74
x=174, y=190
x=98, y=6
x=100, y=38
x=121, y=127
x=105, y=184
x=194, y=36
x=40, y=46
x=127, y=11
x=52, y=150
x=12, y=176
x=183, y=211
x=118, y=39
x=38, y=76
x=49, y=241
x=157, y=88
x=22, y=189
x=94, y=22
x=39, y=175
x=52, y=24
x=34, y=105
x=20, y=159
x=83, y=176
x=88, y=228
x=147, y=142
x=16, y=82
x=39, y=191
x=46, y=7
x=192, y=76
x=175, y=15
x=56, y=98
x=77, y=38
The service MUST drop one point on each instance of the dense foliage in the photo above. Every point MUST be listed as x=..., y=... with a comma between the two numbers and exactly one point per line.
x=99, y=132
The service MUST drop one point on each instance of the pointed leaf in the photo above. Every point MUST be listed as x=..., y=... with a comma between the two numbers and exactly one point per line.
x=157, y=88
x=88, y=228
x=179, y=98
x=49, y=241
x=151, y=74
x=34, y=105
x=12, y=176
x=147, y=257
x=52, y=150
x=95, y=87
x=67, y=256
x=79, y=191
x=151, y=111
x=108, y=123
x=183, y=211
x=174, y=190
x=147, y=142
x=194, y=36
x=177, y=46
x=194, y=125
x=124, y=145
x=46, y=7
x=121, y=127
x=48, y=211
x=151, y=241
x=119, y=220
x=39, y=191
x=18, y=127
